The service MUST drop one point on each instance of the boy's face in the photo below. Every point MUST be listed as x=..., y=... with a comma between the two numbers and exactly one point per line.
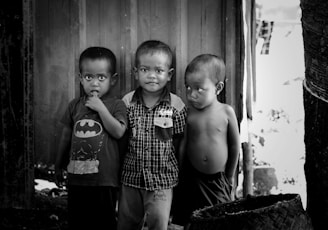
x=153, y=72
x=95, y=77
x=201, y=90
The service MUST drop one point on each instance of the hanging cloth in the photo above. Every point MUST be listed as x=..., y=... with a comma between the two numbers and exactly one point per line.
x=264, y=30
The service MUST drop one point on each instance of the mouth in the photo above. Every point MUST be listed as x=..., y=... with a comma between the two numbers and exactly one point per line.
x=94, y=93
x=194, y=104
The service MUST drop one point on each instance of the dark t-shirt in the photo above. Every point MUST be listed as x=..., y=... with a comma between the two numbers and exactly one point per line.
x=94, y=153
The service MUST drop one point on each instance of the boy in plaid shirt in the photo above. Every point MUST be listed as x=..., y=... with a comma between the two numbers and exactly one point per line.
x=156, y=123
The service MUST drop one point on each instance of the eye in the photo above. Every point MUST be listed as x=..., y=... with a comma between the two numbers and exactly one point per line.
x=88, y=77
x=200, y=90
x=188, y=88
x=102, y=77
x=159, y=71
x=142, y=69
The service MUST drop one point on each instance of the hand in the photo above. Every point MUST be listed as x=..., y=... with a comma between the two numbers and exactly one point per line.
x=95, y=103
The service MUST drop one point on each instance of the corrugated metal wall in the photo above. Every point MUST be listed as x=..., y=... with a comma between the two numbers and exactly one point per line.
x=63, y=28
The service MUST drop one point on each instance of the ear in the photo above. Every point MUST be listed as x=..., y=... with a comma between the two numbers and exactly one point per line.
x=135, y=73
x=170, y=73
x=80, y=77
x=113, y=79
x=219, y=87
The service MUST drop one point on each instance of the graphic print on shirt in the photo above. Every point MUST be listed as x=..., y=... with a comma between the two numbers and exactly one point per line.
x=87, y=143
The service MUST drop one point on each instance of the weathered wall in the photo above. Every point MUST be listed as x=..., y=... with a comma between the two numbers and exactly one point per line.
x=64, y=28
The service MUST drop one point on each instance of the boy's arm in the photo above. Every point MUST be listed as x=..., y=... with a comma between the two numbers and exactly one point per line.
x=62, y=157
x=179, y=138
x=178, y=142
x=113, y=126
x=182, y=148
x=233, y=145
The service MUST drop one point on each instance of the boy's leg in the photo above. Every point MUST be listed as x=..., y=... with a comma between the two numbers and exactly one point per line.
x=130, y=210
x=158, y=206
x=74, y=206
x=91, y=207
x=106, y=198
x=80, y=204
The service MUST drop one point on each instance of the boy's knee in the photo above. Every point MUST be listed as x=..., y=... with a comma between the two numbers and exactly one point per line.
x=158, y=220
x=159, y=210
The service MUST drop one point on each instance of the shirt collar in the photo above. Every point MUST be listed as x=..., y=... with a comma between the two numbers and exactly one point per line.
x=164, y=98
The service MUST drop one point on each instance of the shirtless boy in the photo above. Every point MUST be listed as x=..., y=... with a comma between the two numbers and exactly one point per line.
x=212, y=138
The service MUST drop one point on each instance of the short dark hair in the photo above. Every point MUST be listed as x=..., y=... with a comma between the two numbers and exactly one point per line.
x=209, y=62
x=96, y=52
x=151, y=47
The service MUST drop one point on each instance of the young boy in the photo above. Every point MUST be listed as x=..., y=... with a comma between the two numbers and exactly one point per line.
x=212, y=138
x=156, y=123
x=92, y=124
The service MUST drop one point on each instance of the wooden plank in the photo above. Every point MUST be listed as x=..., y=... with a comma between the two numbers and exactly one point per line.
x=55, y=73
x=233, y=47
x=93, y=22
x=144, y=20
x=211, y=30
x=42, y=60
x=82, y=41
x=230, y=54
x=28, y=73
x=180, y=45
x=110, y=32
x=159, y=20
x=194, y=29
x=82, y=25
x=129, y=39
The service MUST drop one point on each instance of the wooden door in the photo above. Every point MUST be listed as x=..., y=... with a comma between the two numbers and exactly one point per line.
x=64, y=28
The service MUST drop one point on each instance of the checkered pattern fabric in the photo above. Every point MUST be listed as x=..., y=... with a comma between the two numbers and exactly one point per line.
x=150, y=162
x=264, y=30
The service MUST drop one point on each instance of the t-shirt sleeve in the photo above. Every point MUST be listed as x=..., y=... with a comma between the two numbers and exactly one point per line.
x=179, y=121
x=120, y=112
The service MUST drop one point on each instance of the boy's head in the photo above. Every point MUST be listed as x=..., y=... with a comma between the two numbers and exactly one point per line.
x=97, y=70
x=204, y=78
x=153, y=62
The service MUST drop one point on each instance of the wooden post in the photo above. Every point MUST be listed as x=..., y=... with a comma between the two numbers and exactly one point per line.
x=248, y=15
x=16, y=71
x=247, y=169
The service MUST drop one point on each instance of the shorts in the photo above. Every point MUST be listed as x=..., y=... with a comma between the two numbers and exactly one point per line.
x=197, y=190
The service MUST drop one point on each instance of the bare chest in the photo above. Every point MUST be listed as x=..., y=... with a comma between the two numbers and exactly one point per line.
x=199, y=123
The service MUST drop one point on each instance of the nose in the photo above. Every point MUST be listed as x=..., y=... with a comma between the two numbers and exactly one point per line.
x=151, y=74
x=95, y=82
x=193, y=94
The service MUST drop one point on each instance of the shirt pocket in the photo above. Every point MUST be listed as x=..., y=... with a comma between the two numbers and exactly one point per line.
x=163, y=128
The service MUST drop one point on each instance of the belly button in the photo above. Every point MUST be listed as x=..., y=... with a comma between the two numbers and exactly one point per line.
x=205, y=158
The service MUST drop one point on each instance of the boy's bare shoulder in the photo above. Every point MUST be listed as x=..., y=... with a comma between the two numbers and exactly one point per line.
x=229, y=111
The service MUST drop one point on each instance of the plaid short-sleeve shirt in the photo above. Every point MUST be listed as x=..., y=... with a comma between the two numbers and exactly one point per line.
x=150, y=162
